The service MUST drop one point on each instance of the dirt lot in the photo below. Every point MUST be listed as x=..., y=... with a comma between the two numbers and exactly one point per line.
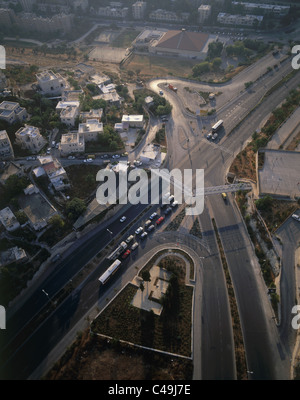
x=95, y=358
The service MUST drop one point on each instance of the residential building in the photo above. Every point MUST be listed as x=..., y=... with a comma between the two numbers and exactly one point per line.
x=133, y=121
x=29, y=138
x=53, y=8
x=246, y=20
x=92, y=114
x=13, y=255
x=139, y=9
x=6, y=150
x=98, y=79
x=114, y=12
x=71, y=142
x=12, y=112
x=274, y=9
x=51, y=84
x=62, y=23
x=9, y=220
x=55, y=172
x=69, y=114
x=166, y=15
x=90, y=130
x=204, y=12
x=63, y=105
x=111, y=98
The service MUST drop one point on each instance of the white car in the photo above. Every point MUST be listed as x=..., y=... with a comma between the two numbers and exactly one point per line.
x=296, y=217
x=139, y=230
x=152, y=216
x=89, y=160
x=123, y=218
x=214, y=136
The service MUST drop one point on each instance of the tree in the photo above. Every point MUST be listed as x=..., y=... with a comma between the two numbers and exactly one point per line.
x=146, y=276
x=21, y=217
x=14, y=185
x=75, y=208
x=264, y=203
x=57, y=222
x=216, y=63
x=214, y=50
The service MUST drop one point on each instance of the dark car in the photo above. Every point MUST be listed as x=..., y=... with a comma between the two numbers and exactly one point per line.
x=168, y=210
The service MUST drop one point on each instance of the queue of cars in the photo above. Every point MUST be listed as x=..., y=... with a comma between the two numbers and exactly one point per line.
x=142, y=231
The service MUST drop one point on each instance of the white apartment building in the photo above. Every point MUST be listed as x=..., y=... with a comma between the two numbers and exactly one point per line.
x=29, y=138
x=133, y=121
x=12, y=112
x=276, y=10
x=50, y=83
x=246, y=20
x=71, y=142
x=204, y=12
x=91, y=129
x=69, y=114
x=139, y=9
x=6, y=150
x=166, y=15
x=9, y=220
x=115, y=12
x=62, y=105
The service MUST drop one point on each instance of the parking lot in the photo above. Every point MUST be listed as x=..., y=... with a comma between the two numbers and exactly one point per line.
x=280, y=175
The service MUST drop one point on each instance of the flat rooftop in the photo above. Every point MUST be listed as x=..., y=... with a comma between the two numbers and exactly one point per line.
x=46, y=76
x=28, y=131
x=280, y=175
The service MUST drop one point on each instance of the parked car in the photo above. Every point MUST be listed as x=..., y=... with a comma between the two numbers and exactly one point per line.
x=129, y=239
x=144, y=235
x=134, y=246
x=153, y=216
x=214, y=136
x=139, y=230
x=174, y=204
x=151, y=227
x=126, y=254
x=168, y=210
x=224, y=196
x=296, y=217
x=160, y=220
x=147, y=223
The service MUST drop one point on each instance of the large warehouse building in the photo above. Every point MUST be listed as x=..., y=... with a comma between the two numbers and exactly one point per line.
x=181, y=43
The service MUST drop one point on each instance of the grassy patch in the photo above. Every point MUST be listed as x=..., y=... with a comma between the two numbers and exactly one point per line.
x=83, y=180
x=153, y=66
x=195, y=230
x=175, y=224
x=125, y=39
